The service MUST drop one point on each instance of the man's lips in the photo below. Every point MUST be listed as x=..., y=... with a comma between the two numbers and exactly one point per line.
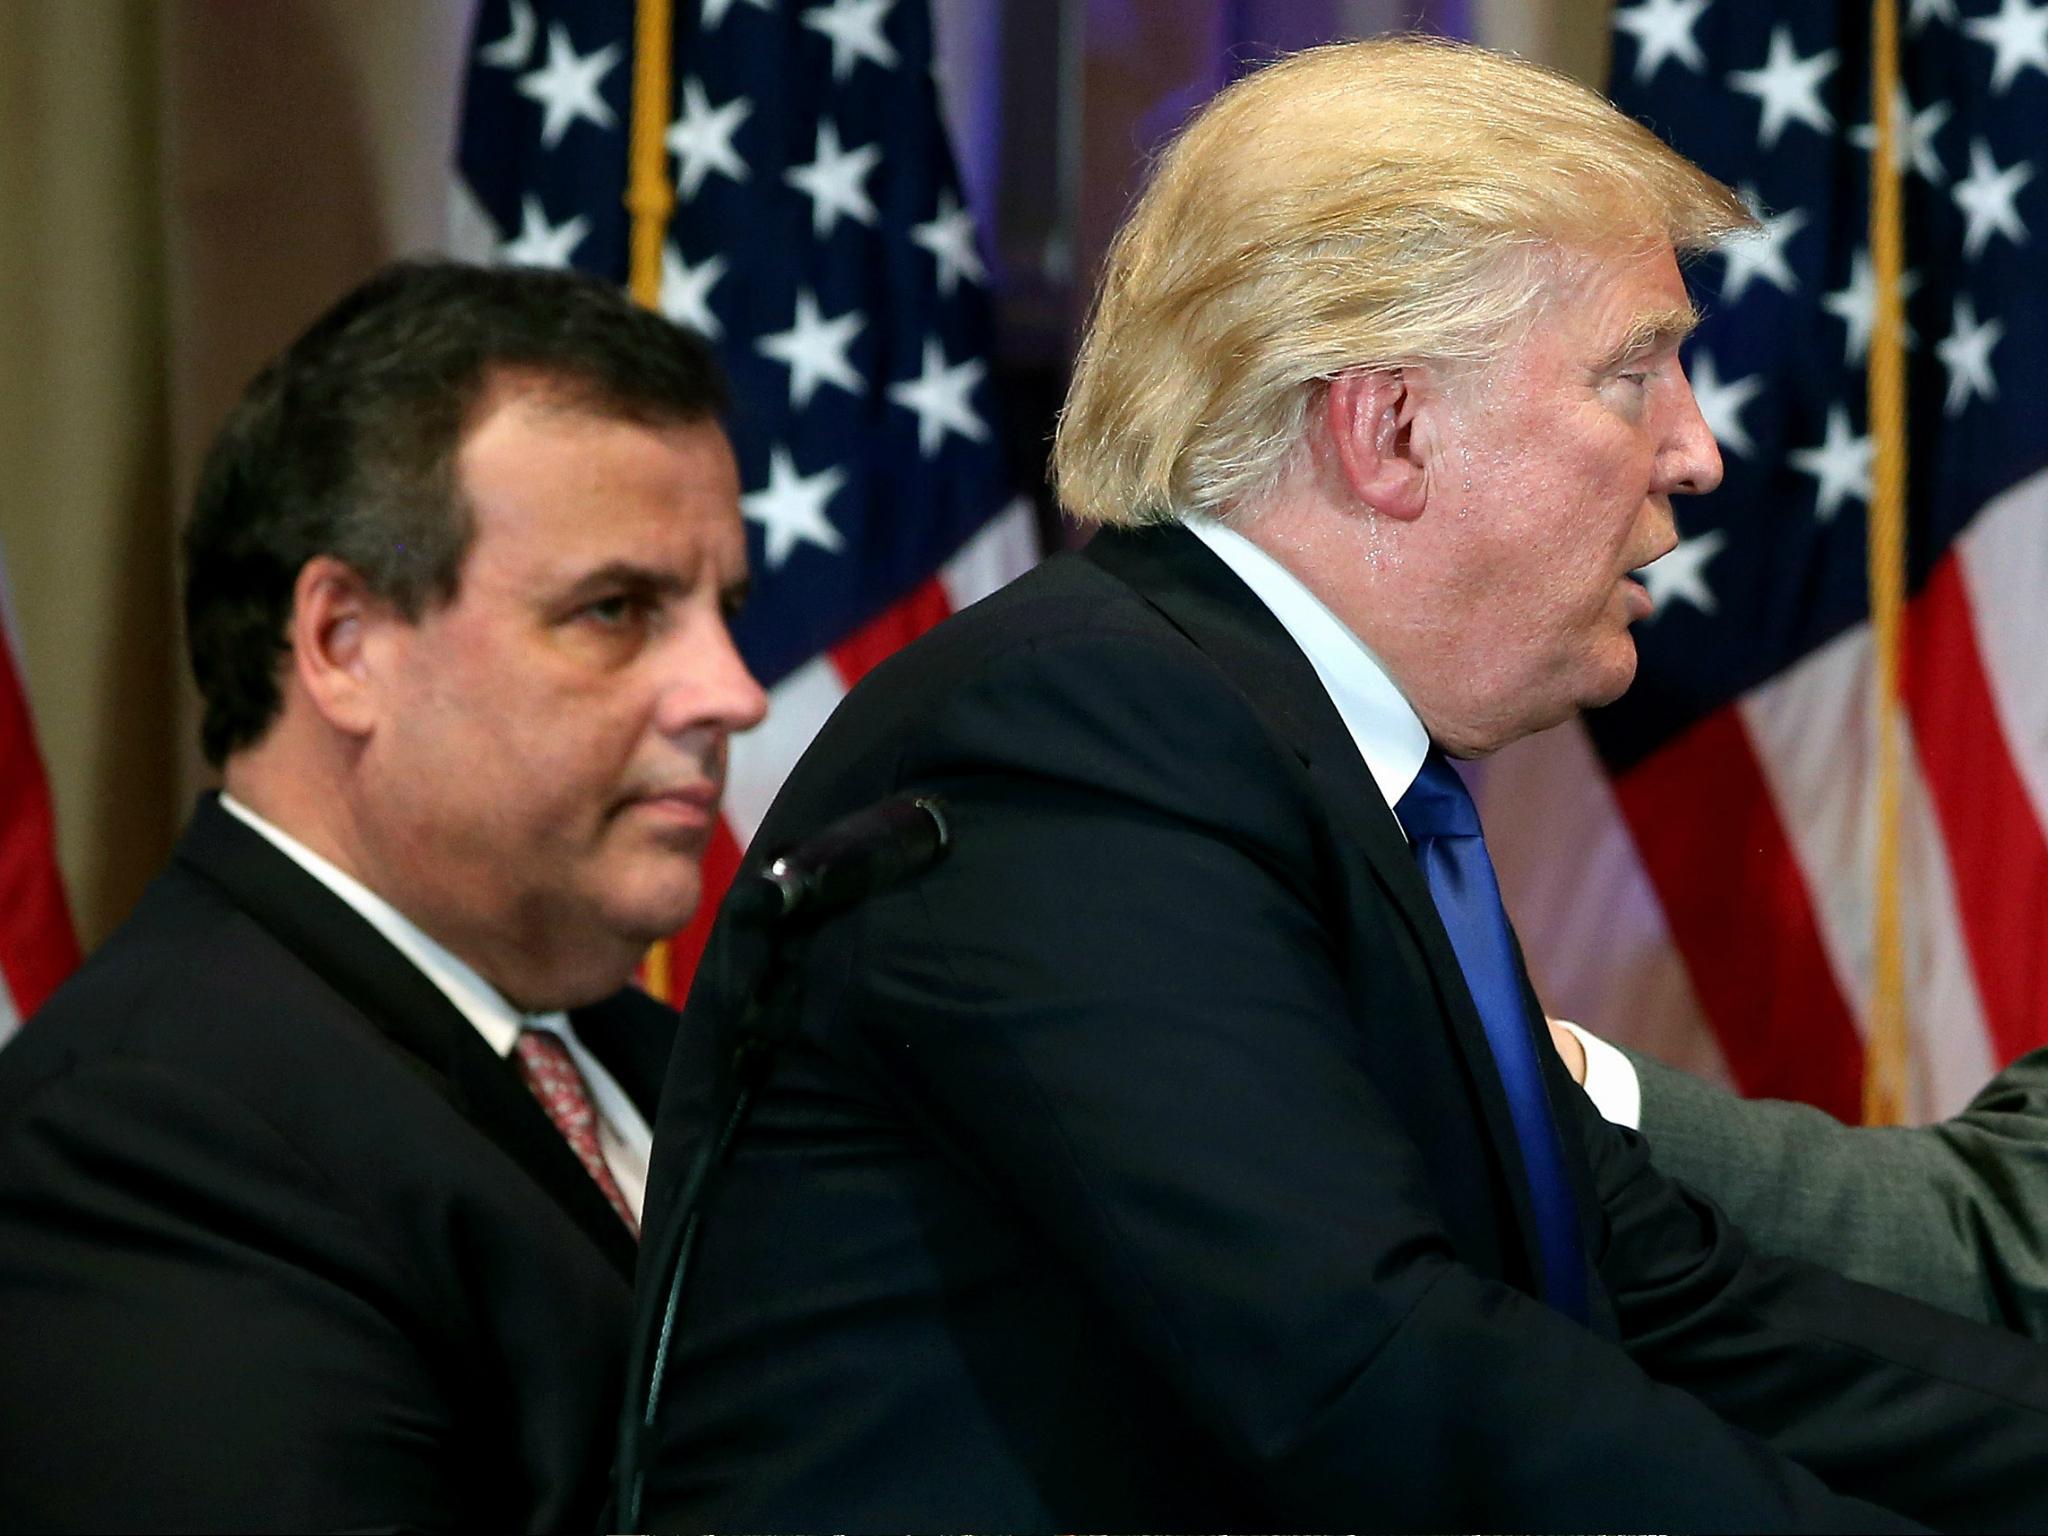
x=691, y=807
x=1637, y=597
x=1640, y=604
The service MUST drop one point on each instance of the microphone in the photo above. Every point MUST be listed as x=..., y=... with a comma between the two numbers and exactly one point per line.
x=868, y=851
x=850, y=860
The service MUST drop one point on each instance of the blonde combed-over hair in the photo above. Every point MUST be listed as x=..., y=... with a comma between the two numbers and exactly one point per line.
x=1370, y=204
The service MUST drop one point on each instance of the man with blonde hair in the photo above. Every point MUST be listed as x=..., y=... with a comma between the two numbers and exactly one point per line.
x=1177, y=1153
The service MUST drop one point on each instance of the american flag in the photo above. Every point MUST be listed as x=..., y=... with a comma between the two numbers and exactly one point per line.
x=1700, y=878
x=37, y=946
x=820, y=241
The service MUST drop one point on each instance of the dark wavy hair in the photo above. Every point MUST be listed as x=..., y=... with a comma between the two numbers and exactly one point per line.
x=345, y=444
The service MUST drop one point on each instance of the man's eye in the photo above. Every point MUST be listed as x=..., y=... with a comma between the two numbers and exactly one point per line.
x=614, y=612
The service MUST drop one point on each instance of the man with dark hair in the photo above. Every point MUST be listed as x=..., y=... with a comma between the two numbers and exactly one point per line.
x=319, y=1184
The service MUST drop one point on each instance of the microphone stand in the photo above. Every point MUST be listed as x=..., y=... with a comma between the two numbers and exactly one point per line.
x=785, y=902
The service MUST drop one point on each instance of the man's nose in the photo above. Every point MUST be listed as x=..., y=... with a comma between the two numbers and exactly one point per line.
x=1690, y=462
x=709, y=684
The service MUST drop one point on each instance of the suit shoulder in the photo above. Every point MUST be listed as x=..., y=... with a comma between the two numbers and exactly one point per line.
x=183, y=950
x=193, y=986
x=1066, y=630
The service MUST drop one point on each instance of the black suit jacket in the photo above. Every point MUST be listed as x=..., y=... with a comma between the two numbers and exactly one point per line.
x=284, y=1245
x=1142, y=1165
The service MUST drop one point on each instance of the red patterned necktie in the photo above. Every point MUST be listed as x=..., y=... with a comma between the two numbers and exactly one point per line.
x=544, y=1063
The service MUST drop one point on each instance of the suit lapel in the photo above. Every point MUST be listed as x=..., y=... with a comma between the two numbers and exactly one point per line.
x=1204, y=599
x=406, y=1010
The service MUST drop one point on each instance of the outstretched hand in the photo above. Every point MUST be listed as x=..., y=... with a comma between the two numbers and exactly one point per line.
x=1568, y=1047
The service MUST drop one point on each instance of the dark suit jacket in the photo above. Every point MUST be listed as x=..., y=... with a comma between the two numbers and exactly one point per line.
x=1955, y=1213
x=284, y=1245
x=1143, y=1166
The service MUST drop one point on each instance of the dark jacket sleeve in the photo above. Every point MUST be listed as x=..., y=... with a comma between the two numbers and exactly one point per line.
x=1900, y=1402
x=1955, y=1214
x=195, y=1332
x=1119, y=1003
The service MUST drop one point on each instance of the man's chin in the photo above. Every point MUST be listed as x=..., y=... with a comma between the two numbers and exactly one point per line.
x=653, y=915
x=1614, y=679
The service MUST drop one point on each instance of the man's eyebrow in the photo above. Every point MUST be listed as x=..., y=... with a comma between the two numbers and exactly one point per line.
x=614, y=575
x=1654, y=332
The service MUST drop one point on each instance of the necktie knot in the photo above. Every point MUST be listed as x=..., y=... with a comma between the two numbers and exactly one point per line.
x=1437, y=804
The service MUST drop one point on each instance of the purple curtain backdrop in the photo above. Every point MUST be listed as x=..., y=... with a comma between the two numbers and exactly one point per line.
x=1055, y=107
x=1246, y=33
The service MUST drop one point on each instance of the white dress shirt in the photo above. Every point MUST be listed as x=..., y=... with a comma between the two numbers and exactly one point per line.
x=1389, y=734
x=623, y=1134
x=1611, y=1081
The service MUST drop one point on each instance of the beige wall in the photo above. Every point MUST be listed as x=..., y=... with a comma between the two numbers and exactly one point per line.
x=84, y=502
x=183, y=183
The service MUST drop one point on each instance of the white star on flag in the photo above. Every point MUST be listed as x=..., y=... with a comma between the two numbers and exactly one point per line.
x=701, y=139
x=1681, y=576
x=1925, y=11
x=791, y=507
x=566, y=86
x=814, y=350
x=938, y=397
x=1761, y=253
x=513, y=49
x=1986, y=197
x=714, y=10
x=2018, y=35
x=539, y=243
x=1721, y=404
x=834, y=181
x=686, y=291
x=1966, y=353
x=855, y=27
x=949, y=236
x=1856, y=305
x=1840, y=465
x=1788, y=87
x=1912, y=136
x=1663, y=30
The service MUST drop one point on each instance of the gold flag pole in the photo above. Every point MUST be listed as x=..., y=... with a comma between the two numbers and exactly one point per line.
x=650, y=199
x=1884, y=1071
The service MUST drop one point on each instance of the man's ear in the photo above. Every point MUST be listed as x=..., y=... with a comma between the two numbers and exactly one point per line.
x=334, y=615
x=1369, y=423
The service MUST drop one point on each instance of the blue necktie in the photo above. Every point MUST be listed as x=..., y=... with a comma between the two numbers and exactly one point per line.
x=1440, y=818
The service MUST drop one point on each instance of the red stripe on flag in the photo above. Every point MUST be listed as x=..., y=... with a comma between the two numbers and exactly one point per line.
x=38, y=947
x=1995, y=846
x=891, y=630
x=721, y=864
x=1738, y=910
